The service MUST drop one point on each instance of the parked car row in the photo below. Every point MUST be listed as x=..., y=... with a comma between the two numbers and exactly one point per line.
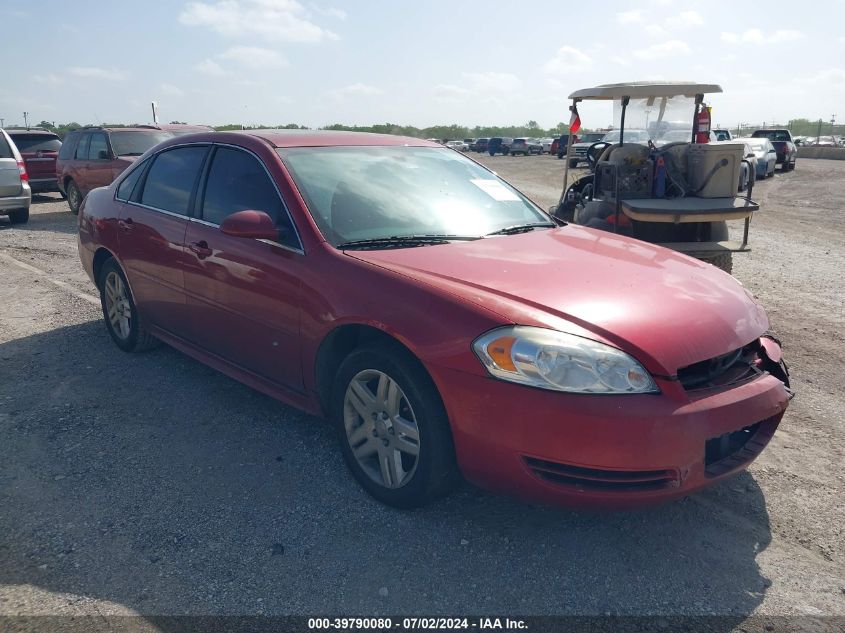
x=35, y=160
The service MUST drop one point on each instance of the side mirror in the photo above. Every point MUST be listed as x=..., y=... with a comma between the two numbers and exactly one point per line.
x=750, y=155
x=250, y=224
x=103, y=154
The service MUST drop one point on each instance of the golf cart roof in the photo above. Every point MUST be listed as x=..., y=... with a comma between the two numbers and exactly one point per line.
x=643, y=89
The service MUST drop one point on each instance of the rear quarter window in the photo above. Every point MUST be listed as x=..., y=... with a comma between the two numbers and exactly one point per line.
x=5, y=149
x=69, y=146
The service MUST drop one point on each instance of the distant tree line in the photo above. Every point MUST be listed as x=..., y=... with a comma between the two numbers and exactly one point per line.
x=802, y=127
x=454, y=131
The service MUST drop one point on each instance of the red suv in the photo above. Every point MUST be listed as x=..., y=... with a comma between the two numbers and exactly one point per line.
x=94, y=156
x=39, y=149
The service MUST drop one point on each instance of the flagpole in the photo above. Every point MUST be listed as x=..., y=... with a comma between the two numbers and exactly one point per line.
x=573, y=109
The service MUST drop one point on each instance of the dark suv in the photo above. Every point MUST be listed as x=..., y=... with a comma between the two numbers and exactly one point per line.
x=39, y=149
x=94, y=156
x=499, y=145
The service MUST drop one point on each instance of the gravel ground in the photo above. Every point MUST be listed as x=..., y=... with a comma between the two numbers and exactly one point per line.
x=151, y=484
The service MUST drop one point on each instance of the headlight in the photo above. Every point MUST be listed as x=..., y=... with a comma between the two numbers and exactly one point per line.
x=560, y=362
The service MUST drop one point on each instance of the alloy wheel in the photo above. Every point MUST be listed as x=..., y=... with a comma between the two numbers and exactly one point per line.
x=381, y=428
x=118, y=307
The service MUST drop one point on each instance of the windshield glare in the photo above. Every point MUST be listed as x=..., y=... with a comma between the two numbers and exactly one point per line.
x=362, y=193
x=136, y=143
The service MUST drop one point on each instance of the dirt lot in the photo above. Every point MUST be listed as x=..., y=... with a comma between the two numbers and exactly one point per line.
x=151, y=484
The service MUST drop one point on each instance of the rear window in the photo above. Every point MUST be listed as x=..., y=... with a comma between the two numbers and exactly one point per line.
x=136, y=143
x=37, y=142
x=772, y=135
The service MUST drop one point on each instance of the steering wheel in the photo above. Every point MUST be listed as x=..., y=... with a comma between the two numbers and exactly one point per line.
x=594, y=152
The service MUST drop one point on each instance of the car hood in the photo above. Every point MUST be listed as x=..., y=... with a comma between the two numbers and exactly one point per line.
x=666, y=309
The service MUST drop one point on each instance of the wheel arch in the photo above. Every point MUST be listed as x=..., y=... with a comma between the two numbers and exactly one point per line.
x=341, y=342
x=101, y=256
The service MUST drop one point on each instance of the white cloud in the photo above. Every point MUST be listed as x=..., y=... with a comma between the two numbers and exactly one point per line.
x=655, y=30
x=331, y=12
x=685, y=19
x=756, y=36
x=493, y=82
x=622, y=61
x=568, y=60
x=450, y=93
x=169, y=90
x=50, y=79
x=253, y=57
x=787, y=35
x=210, y=67
x=356, y=90
x=97, y=73
x=629, y=17
x=275, y=20
x=664, y=50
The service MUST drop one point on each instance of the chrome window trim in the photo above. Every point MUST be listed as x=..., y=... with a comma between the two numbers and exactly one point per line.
x=164, y=211
x=300, y=250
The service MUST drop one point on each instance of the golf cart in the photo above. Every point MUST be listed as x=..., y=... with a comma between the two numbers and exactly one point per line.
x=657, y=177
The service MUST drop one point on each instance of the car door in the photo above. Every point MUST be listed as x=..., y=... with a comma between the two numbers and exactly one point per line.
x=151, y=232
x=244, y=294
x=98, y=166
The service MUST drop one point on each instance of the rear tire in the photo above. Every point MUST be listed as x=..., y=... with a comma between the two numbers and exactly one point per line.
x=74, y=197
x=380, y=443
x=19, y=216
x=573, y=164
x=124, y=324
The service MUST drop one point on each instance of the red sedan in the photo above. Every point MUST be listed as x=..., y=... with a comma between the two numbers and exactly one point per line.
x=442, y=321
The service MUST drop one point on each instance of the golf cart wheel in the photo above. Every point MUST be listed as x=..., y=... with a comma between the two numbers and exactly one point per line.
x=723, y=261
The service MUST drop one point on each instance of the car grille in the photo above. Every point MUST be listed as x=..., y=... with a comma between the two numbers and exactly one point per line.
x=735, y=449
x=582, y=478
x=735, y=366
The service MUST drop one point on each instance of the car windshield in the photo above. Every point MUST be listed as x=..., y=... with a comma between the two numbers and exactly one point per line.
x=591, y=138
x=365, y=193
x=37, y=142
x=772, y=135
x=631, y=136
x=136, y=143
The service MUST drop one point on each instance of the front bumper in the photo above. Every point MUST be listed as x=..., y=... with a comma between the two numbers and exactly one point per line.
x=612, y=452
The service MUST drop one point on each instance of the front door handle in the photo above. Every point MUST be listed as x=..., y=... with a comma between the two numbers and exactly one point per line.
x=201, y=249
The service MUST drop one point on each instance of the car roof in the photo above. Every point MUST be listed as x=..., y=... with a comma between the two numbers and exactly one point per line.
x=33, y=132
x=642, y=89
x=321, y=138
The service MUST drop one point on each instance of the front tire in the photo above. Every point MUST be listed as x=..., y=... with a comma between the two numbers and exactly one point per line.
x=393, y=429
x=74, y=196
x=120, y=311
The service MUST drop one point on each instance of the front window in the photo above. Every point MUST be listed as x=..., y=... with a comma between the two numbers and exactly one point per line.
x=136, y=143
x=364, y=193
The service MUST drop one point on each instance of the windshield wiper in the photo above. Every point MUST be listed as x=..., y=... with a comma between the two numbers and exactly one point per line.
x=131, y=154
x=522, y=228
x=404, y=241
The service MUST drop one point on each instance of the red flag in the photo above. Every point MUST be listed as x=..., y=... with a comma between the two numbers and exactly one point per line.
x=574, y=121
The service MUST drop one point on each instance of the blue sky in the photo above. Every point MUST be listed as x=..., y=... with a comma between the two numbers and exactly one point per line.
x=418, y=63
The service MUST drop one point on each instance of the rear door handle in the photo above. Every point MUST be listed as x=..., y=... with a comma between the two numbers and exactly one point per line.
x=125, y=225
x=201, y=249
